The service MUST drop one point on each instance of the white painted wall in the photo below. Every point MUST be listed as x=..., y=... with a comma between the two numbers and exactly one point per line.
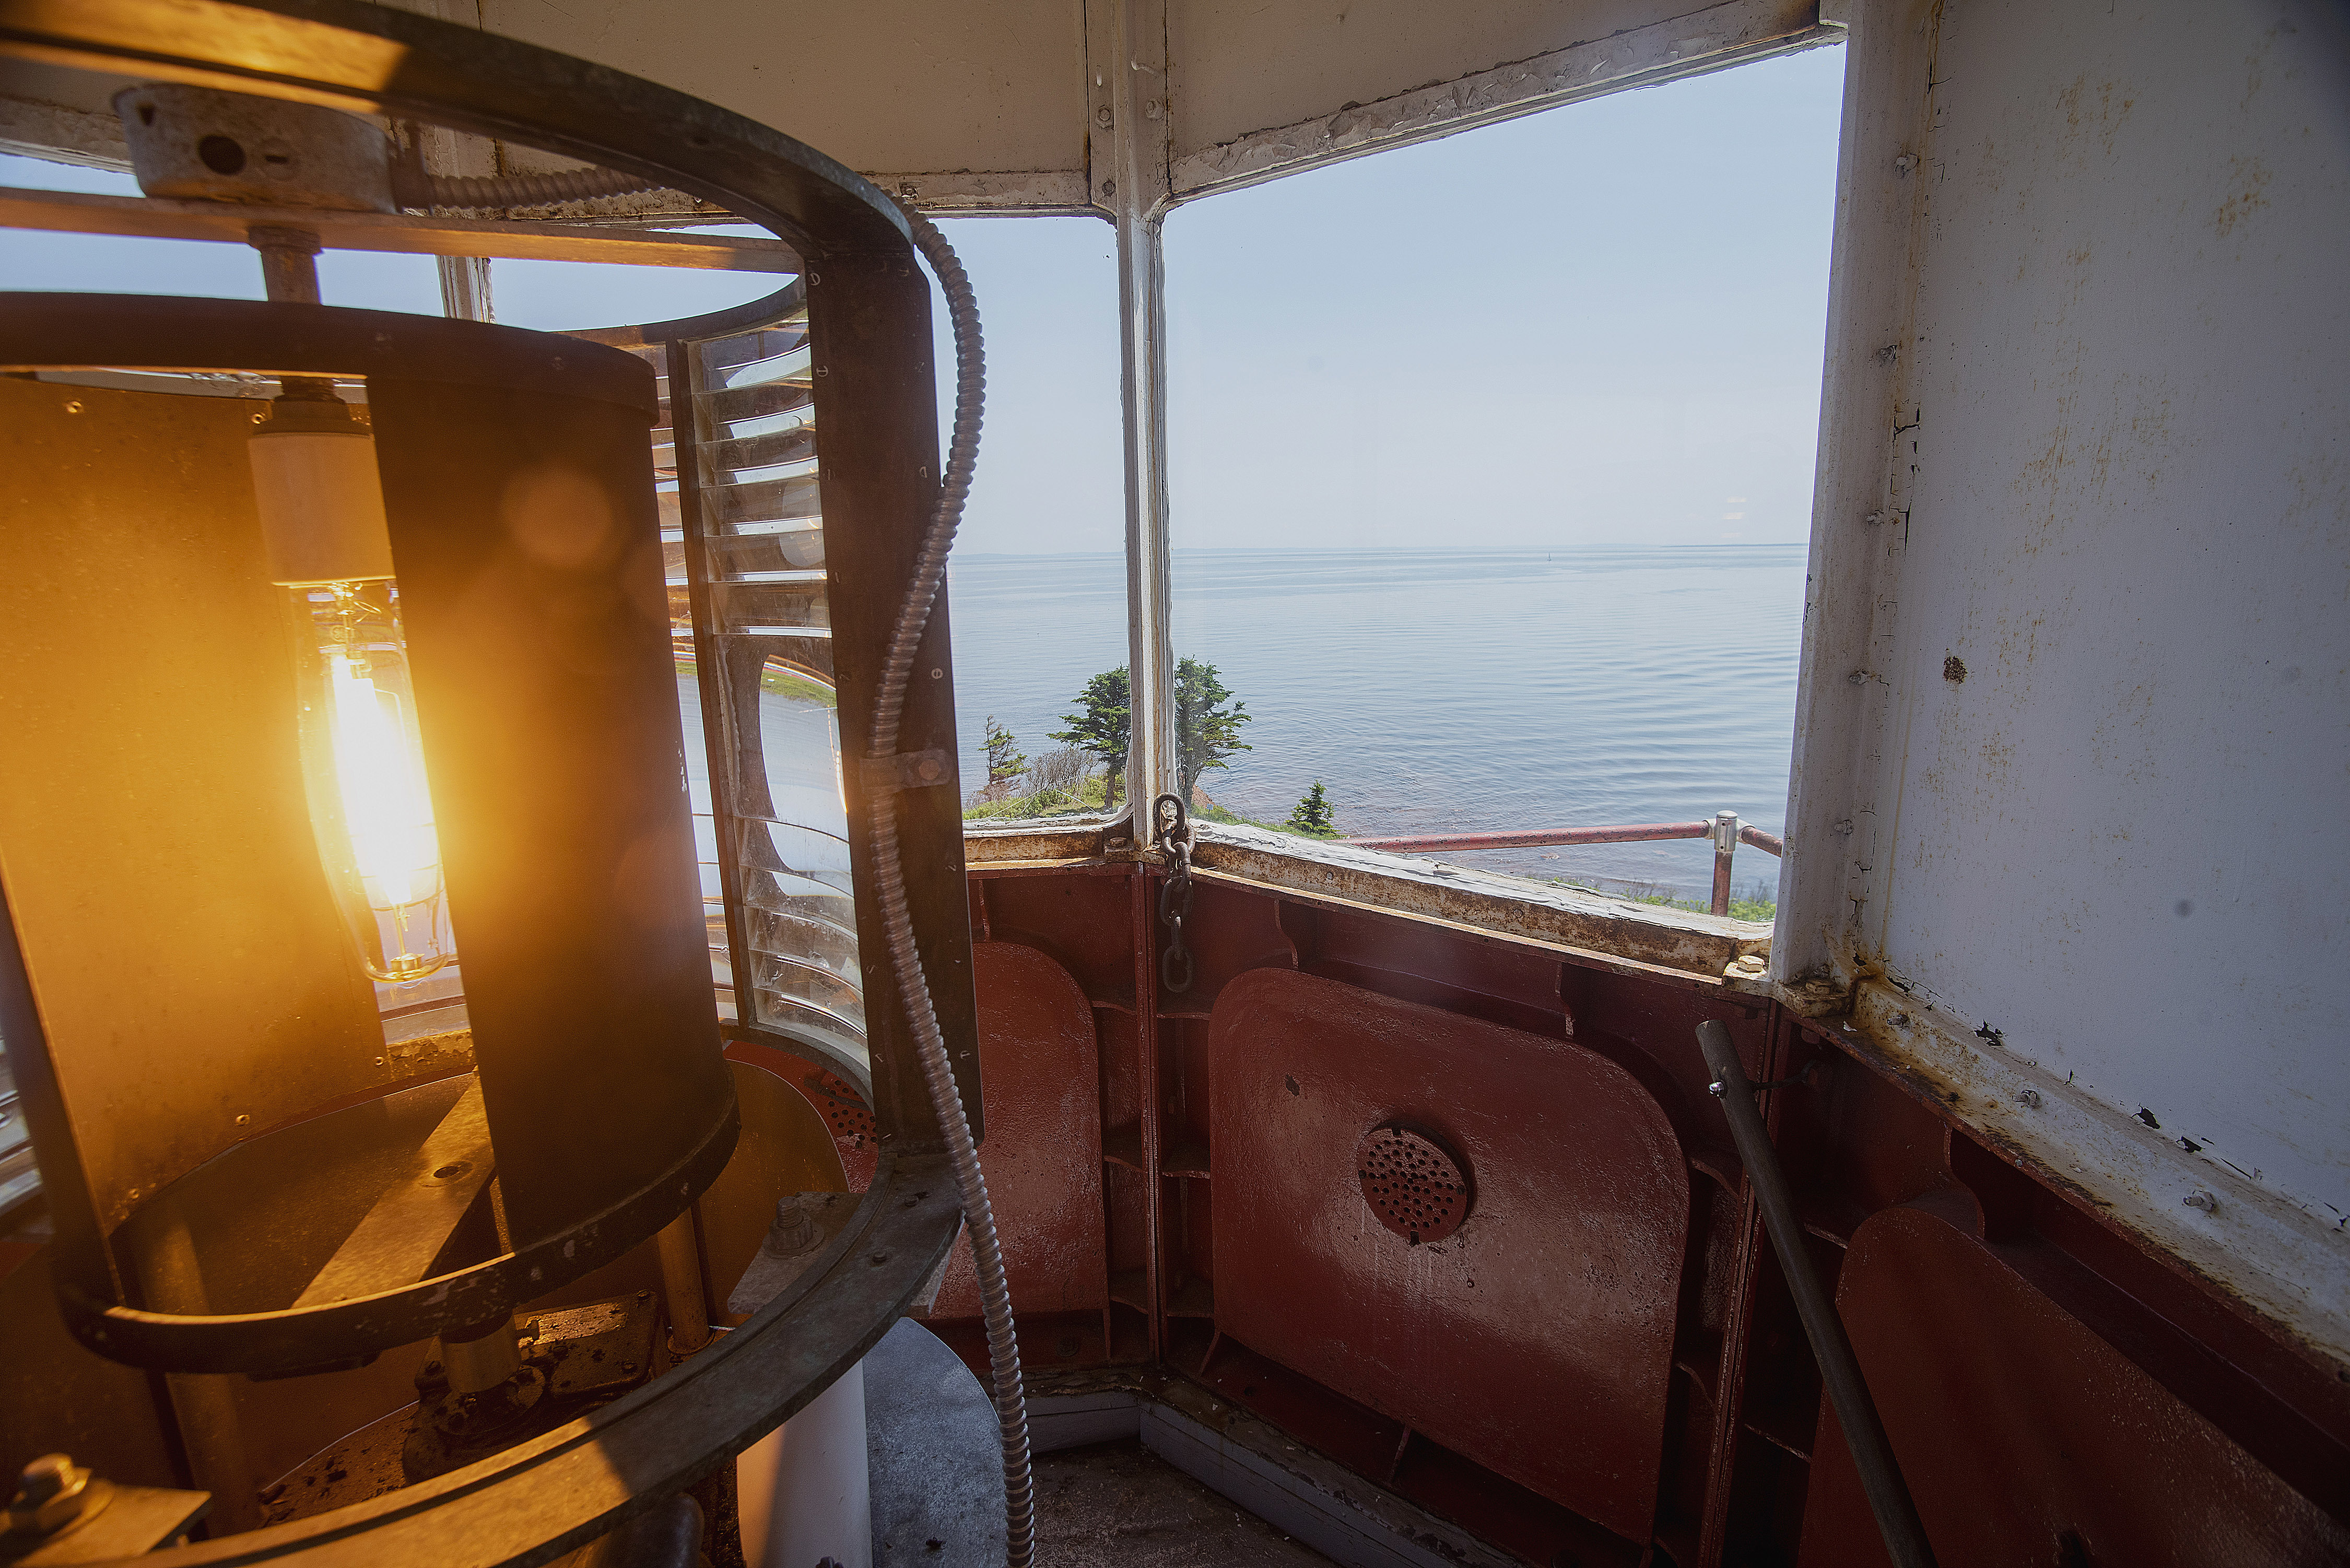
x=2116, y=283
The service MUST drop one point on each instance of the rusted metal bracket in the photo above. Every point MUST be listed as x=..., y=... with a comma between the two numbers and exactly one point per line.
x=907, y=770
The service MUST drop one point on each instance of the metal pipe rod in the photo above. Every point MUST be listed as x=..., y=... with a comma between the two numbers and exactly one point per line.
x=1863, y=1431
x=681, y=1271
x=1768, y=843
x=1725, y=847
x=1534, y=837
x=289, y=262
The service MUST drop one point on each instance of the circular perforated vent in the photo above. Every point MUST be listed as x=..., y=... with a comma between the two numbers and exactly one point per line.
x=844, y=1109
x=1419, y=1187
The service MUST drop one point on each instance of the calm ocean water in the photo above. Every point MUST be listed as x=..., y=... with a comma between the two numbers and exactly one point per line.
x=1434, y=691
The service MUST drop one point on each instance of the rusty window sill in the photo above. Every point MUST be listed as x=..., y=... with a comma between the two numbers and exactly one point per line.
x=1580, y=920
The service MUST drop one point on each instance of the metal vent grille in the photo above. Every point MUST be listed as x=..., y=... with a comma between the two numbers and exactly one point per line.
x=1416, y=1184
x=845, y=1111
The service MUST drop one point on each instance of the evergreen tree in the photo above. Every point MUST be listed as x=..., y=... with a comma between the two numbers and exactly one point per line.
x=1311, y=816
x=1103, y=725
x=1206, y=723
x=1206, y=731
x=1005, y=758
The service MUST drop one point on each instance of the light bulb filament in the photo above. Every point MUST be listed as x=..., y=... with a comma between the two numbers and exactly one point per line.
x=369, y=800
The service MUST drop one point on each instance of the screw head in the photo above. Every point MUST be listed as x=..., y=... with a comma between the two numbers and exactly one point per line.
x=1102, y=116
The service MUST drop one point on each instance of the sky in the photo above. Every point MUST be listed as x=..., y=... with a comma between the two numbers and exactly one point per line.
x=1599, y=324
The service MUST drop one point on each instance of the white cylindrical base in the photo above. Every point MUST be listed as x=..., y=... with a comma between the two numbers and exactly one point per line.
x=321, y=505
x=804, y=1491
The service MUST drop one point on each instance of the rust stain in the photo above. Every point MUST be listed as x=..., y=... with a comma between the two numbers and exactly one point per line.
x=2096, y=109
x=2252, y=178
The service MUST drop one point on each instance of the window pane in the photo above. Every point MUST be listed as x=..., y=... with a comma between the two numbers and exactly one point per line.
x=1491, y=467
x=1038, y=581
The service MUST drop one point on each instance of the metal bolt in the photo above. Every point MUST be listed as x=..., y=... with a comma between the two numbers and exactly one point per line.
x=1102, y=116
x=244, y=1121
x=1906, y=162
x=1858, y=678
x=2029, y=1099
x=1875, y=518
x=1717, y=1088
x=936, y=674
x=822, y=371
x=2202, y=1199
x=74, y=406
x=46, y=1478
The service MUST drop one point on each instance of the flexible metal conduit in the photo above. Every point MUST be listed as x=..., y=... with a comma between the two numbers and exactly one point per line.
x=466, y=193
x=930, y=569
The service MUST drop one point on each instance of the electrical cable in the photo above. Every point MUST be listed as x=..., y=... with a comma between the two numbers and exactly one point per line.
x=913, y=617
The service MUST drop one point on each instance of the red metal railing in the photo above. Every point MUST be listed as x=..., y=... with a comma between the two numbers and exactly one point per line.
x=1726, y=831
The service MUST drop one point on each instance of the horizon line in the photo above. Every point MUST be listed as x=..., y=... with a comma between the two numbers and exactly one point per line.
x=1386, y=549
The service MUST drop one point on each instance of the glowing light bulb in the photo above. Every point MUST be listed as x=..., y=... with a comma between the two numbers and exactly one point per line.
x=370, y=806
x=369, y=799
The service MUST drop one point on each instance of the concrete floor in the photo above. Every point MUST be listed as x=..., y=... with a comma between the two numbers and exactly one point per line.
x=937, y=1484
x=1118, y=1505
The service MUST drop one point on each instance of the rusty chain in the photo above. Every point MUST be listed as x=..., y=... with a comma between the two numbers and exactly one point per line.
x=1172, y=834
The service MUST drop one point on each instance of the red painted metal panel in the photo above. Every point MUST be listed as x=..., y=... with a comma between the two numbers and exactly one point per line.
x=845, y=1114
x=1040, y=1071
x=1537, y=1340
x=2027, y=1438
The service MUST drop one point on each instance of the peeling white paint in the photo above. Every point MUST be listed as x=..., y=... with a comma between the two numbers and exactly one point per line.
x=2109, y=608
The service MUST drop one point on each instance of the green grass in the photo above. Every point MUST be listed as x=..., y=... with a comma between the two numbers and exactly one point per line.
x=1761, y=910
x=781, y=683
x=1027, y=808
